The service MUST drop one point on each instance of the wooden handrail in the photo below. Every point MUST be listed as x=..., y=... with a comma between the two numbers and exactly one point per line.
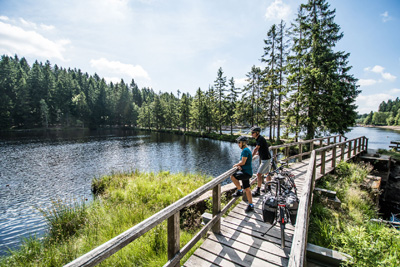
x=299, y=243
x=300, y=144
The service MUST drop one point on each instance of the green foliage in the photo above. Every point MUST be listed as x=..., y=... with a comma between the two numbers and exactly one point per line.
x=348, y=228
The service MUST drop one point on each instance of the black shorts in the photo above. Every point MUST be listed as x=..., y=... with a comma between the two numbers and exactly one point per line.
x=244, y=177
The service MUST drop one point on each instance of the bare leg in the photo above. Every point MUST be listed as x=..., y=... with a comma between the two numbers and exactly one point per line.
x=236, y=182
x=248, y=194
x=259, y=180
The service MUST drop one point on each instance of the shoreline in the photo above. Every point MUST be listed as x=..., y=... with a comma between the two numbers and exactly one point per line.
x=388, y=127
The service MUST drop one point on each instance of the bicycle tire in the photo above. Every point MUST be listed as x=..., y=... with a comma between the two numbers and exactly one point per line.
x=282, y=223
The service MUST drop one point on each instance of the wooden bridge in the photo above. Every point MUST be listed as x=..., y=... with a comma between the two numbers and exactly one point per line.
x=236, y=240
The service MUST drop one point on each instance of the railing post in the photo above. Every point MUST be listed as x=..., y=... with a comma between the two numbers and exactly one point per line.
x=320, y=142
x=334, y=157
x=359, y=145
x=300, y=152
x=323, y=162
x=349, y=151
x=363, y=143
x=366, y=147
x=286, y=152
x=311, y=146
x=275, y=152
x=355, y=147
x=173, y=236
x=329, y=141
x=216, y=207
x=334, y=139
x=342, y=152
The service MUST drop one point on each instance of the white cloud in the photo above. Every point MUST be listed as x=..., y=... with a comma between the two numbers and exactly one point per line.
x=278, y=10
x=380, y=70
x=395, y=91
x=367, y=103
x=119, y=69
x=367, y=82
x=4, y=18
x=16, y=40
x=241, y=82
x=385, y=16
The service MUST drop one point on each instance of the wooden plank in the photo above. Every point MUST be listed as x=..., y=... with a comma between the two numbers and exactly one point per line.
x=260, y=243
x=197, y=261
x=238, y=257
x=250, y=249
x=299, y=245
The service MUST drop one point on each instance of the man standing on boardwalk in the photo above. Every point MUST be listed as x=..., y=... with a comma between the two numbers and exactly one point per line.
x=244, y=172
x=262, y=150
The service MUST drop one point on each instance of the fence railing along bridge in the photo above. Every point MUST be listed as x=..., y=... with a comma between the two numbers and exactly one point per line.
x=315, y=158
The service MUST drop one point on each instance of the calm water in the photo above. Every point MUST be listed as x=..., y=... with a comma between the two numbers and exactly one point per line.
x=36, y=168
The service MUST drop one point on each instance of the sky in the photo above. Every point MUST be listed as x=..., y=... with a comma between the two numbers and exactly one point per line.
x=180, y=44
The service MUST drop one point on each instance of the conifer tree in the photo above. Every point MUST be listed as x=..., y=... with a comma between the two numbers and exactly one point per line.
x=220, y=88
x=327, y=91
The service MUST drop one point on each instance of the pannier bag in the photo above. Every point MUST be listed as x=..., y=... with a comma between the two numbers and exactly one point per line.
x=269, y=206
x=292, y=204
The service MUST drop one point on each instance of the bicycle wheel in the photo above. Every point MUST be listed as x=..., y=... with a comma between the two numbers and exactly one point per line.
x=282, y=223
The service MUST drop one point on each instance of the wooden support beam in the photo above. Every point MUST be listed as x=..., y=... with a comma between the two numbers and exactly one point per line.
x=216, y=208
x=173, y=236
x=323, y=161
x=301, y=152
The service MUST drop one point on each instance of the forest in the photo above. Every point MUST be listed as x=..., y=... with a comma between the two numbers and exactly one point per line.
x=302, y=85
x=388, y=114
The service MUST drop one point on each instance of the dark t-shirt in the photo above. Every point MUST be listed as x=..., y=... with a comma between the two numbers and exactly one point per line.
x=263, y=151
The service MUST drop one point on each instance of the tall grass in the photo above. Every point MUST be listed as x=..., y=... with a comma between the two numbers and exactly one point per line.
x=122, y=201
x=348, y=229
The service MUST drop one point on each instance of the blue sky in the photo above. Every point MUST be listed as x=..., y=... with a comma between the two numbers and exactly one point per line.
x=180, y=44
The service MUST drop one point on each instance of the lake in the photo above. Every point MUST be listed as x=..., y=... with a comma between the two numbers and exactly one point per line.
x=37, y=167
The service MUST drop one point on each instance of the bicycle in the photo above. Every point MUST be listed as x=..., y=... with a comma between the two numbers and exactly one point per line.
x=281, y=205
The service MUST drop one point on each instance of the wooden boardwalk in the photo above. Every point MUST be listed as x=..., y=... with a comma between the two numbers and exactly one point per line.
x=240, y=242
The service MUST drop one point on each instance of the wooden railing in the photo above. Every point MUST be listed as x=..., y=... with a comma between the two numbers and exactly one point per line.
x=170, y=213
x=299, y=242
x=302, y=144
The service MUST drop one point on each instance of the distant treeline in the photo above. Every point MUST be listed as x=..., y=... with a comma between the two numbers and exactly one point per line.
x=304, y=84
x=387, y=114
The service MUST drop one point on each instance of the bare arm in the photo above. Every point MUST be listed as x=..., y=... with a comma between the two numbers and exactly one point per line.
x=240, y=163
x=255, y=151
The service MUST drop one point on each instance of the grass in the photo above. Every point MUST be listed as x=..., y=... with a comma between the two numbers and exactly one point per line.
x=123, y=200
x=348, y=229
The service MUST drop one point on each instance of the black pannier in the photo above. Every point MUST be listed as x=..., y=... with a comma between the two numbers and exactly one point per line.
x=269, y=207
x=292, y=204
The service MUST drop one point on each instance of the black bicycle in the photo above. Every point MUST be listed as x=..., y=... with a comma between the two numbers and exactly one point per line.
x=281, y=204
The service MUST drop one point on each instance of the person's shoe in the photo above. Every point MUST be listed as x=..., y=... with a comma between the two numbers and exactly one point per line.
x=238, y=193
x=249, y=208
x=256, y=192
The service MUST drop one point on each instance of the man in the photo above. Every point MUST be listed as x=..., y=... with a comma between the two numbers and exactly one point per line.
x=244, y=172
x=262, y=150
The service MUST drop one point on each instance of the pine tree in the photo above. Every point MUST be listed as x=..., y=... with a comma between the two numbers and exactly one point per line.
x=220, y=88
x=327, y=91
x=271, y=77
x=231, y=103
